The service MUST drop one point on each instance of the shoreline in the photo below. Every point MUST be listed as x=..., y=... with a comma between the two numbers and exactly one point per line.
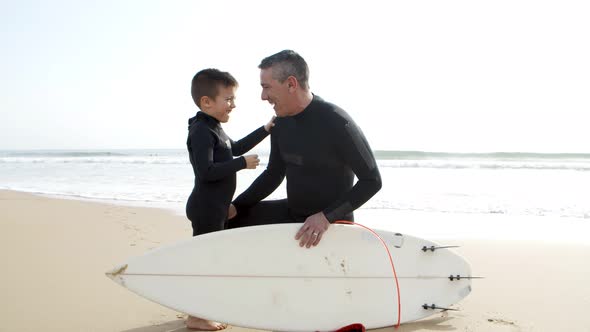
x=56, y=251
x=426, y=224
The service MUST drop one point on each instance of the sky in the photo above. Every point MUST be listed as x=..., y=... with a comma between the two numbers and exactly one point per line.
x=458, y=76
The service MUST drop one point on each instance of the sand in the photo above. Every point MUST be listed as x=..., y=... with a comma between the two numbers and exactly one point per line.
x=54, y=253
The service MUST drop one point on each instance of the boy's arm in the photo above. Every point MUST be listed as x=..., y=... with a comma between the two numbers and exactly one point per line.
x=247, y=143
x=202, y=144
x=266, y=182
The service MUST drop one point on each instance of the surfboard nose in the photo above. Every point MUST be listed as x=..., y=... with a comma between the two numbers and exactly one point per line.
x=115, y=274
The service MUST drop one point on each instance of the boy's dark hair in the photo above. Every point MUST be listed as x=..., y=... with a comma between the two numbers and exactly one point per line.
x=207, y=82
x=287, y=63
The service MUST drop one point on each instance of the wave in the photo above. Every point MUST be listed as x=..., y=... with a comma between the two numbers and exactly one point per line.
x=404, y=155
x=92, y=153
x=383, y=163
x=489, y=161
x=58, y=154
x=379, y=154
x=171, y=156
x=498, y=165
x=94, y=160
x=385, y=159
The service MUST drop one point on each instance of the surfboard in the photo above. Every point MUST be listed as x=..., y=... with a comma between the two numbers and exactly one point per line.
x=259, y=277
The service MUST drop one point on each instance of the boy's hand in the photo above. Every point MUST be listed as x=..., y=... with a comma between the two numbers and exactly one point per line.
x=252, y=161
x=232, y=212
x=270, y=124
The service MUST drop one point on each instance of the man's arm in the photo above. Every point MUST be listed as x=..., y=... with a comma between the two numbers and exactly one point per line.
x=357, y=153
x=266, y=182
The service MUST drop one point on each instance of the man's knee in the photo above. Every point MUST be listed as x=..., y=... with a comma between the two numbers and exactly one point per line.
x=263, y=213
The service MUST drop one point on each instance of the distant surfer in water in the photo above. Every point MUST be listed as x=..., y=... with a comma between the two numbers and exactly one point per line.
x=319, y=149
x=211, y=153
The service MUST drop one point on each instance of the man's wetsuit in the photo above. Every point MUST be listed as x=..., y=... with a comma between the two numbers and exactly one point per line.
x=211, y=154
x=319, y=150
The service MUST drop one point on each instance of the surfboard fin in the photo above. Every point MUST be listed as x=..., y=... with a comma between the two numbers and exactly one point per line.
x=433, y=306
x=433, y=248
x=459, y=277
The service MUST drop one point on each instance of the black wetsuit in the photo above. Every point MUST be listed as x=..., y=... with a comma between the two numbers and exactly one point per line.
x=211, y=154
x=319, y=150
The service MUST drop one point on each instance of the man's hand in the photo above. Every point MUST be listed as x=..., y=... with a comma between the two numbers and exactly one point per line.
x=232, y=211
x=312, y=230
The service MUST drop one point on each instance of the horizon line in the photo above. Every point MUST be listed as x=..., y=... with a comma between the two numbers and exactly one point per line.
x=375, y=151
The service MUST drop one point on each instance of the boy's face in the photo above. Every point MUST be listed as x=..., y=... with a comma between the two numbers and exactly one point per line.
x=223, y=104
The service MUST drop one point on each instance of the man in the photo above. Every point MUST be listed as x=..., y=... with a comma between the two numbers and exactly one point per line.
x=318, y=147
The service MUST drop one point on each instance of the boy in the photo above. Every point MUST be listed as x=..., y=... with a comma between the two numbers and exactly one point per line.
x=211, y=154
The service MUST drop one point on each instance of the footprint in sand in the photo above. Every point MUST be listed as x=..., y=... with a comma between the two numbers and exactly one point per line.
x=505, y=325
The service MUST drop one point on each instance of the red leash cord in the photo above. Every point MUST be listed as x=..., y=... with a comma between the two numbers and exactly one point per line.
x=399, y=305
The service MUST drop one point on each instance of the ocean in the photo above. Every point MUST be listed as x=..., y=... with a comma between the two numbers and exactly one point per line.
x=515, y=184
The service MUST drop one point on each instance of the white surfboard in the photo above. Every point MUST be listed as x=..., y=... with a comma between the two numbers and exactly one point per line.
x=259, y=277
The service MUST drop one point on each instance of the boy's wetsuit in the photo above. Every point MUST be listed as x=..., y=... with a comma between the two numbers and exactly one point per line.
x=319, y=150
x=211, y=154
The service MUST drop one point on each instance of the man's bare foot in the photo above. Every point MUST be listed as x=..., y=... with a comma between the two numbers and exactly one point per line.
x=195, y=323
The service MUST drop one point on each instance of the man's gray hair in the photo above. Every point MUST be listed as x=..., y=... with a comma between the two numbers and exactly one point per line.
x=287, y=63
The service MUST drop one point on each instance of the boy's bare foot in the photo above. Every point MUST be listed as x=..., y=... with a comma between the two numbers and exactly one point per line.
x=195, y=323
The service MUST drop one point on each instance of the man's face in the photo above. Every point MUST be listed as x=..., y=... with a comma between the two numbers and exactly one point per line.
x=223, y=103
x=275, y=92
